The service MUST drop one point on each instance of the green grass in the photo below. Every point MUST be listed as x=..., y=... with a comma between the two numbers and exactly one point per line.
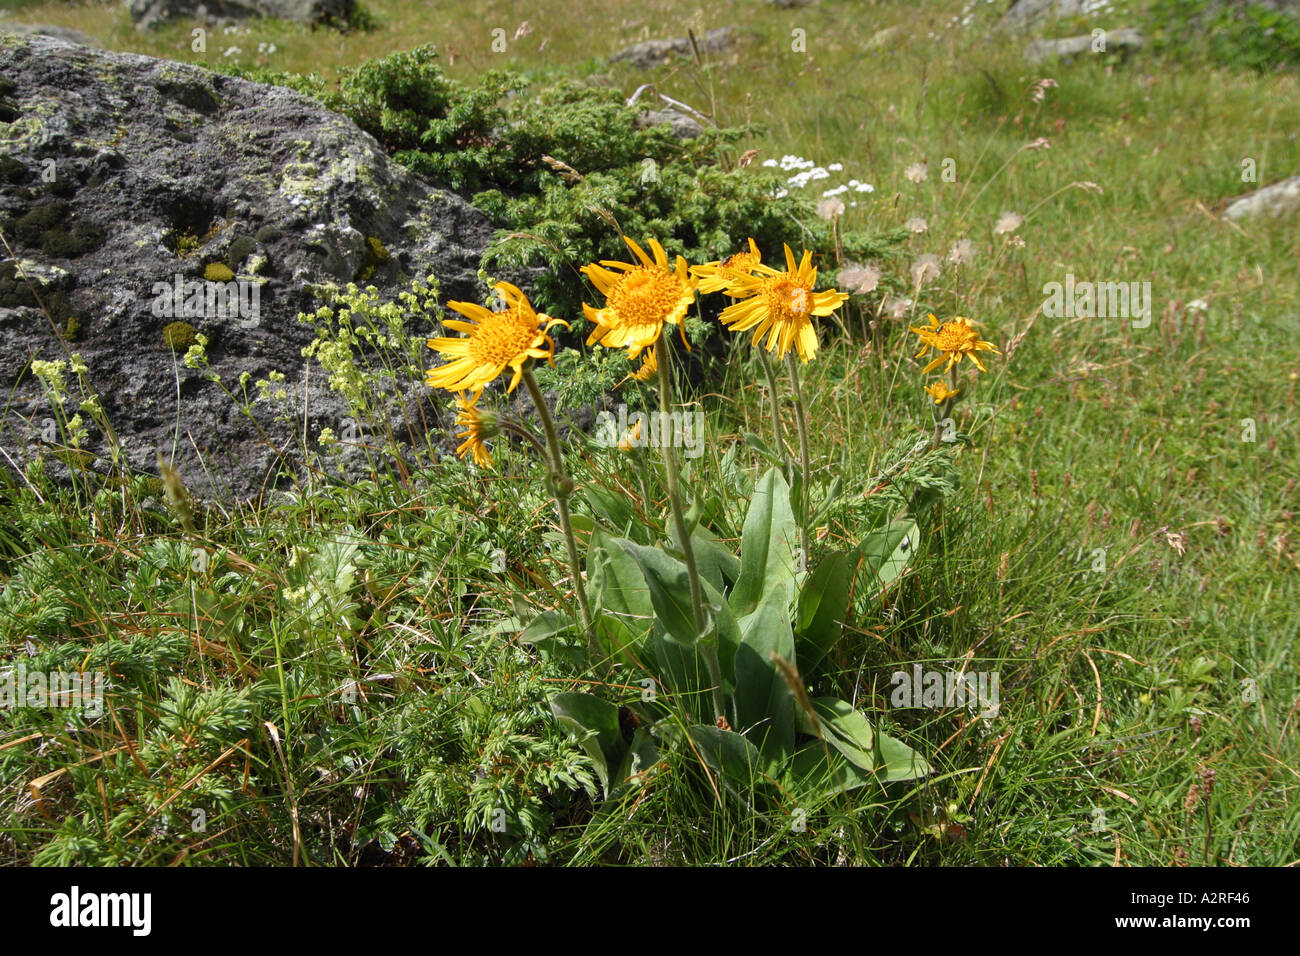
x=1147, y=712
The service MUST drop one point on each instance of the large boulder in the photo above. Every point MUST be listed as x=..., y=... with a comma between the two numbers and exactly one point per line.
x=49, y=30
x=123, y=175
x=152, y=13
x=1279, y=199
x=651, y=53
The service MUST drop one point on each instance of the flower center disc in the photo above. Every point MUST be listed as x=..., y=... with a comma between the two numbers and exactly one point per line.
x=503, y=338
x=645, y=296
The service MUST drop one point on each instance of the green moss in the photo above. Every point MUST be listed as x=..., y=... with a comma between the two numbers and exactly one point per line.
x=72, y=329
x=50, y=228
x=186, y=245
x=376, y=255
x=267, y=234
x=240, y=248
x=218, y=272
x=178, y=336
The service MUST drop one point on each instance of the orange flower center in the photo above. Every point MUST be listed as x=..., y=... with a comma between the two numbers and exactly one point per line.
x=646, y=296
x=787, y=299
x=738, y=266
x=954, y=337
x=504, y=338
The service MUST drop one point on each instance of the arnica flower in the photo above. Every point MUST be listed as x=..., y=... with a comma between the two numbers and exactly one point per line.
x=649, y=366
x=781, y=305
x=722, y=275
x=632, y=438
x=952, y=340
x=940, y=392
x=498, y=341
x=640, y=298
x=478, y=427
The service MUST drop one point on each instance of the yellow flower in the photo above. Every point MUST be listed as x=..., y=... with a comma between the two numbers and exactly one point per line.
x=720, y=276
x=632, y=439
x=781, y=305
x=940, y=392
x=640, y=298
x=649, y=366
x=952, y=340
x=477, y=426
x=498, y=341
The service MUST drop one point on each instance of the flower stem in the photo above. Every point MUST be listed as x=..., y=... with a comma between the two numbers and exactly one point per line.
x=515, y=428
x=562, y=485
x=944, y=414
x=772, y=392
x=804, y=463
x=679, y=521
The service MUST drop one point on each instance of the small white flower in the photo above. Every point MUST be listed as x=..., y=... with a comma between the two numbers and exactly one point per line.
x=233, y=51
x=836, y=167
x=916, y=225
x=1198, y=305
x=864, y=188
x=917, y=172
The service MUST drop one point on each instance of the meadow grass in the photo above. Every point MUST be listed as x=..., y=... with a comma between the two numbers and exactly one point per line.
x=337, y=680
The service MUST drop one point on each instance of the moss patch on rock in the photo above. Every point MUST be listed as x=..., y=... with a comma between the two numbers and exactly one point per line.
x=178, y=336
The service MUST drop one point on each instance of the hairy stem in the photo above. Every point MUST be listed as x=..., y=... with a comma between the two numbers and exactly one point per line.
x=772, y=392
x=801, y=419
x=679, y=521
x=562, y=485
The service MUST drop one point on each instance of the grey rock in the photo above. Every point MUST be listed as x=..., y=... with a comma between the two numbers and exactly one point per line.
x=43, y=29
x=106, y=161
x=682, y=125
x=653, y=53
x=1279, y=199
x=1028, y=13
x=151, y=13
x=1039, y=51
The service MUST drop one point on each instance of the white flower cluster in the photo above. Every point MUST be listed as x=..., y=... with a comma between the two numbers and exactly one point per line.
x=806, y=171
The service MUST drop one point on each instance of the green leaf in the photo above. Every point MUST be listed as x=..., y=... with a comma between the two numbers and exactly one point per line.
x=897, y=761
x=622, y=611
x=809, y=772
x=582, y=715
x=716, y=564
x=545, y=625
x=847, y=730
x=730, y=756
x=763, y=699
x=823, y=603
x=767, y=546
x=886, y=553
x=611, y=507
x=641, y=756
x=670, y=590
x=764, y=449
